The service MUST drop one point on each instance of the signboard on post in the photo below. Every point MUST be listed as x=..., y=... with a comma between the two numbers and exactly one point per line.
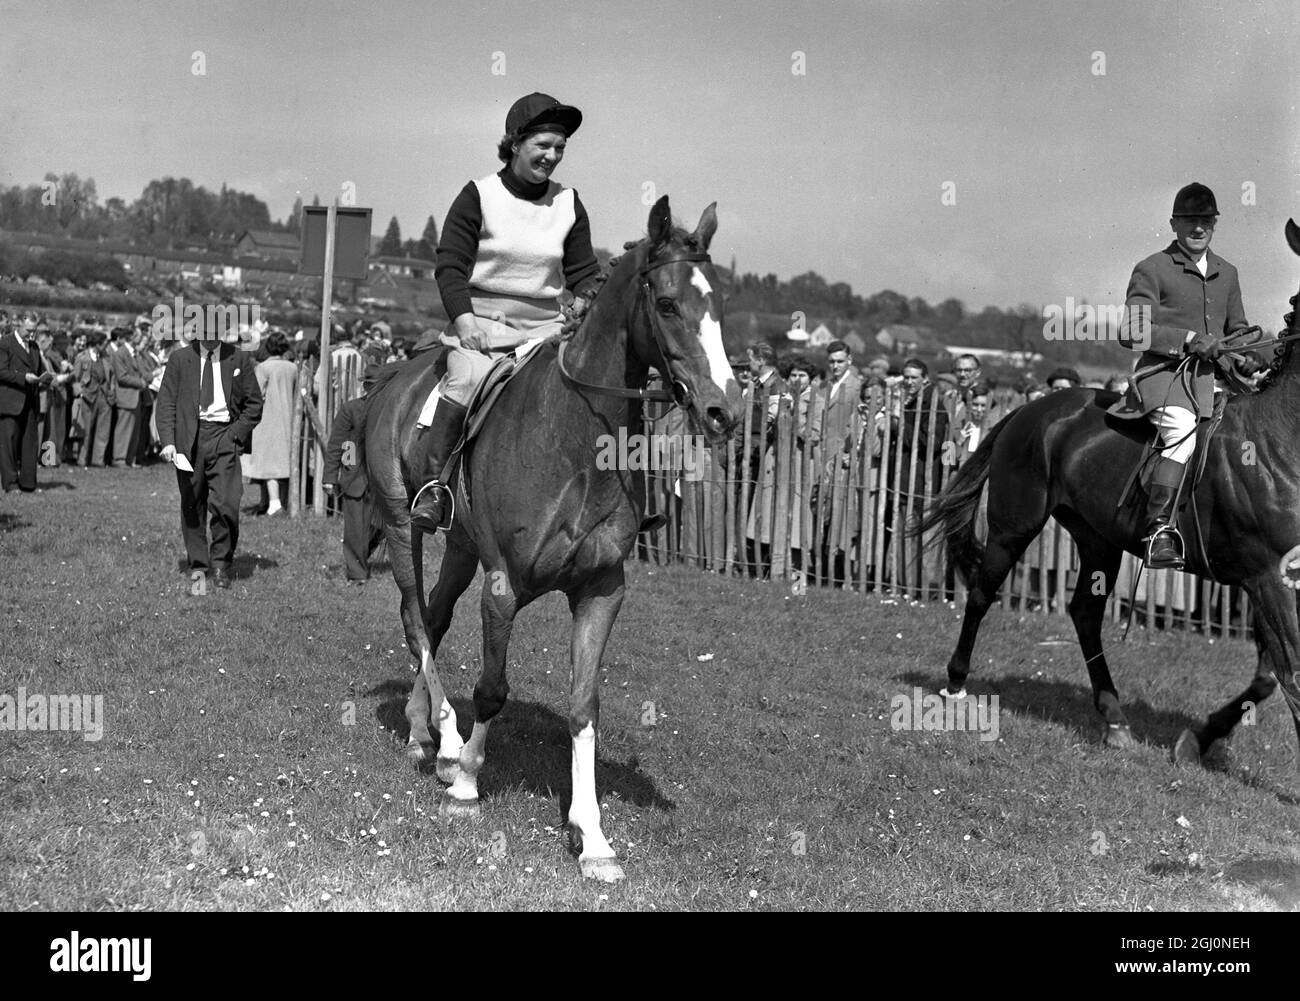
x=351, y=241
x=335, y=244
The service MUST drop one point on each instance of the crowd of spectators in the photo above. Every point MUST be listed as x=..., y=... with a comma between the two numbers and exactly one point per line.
x=89, y=401
x=885, y=435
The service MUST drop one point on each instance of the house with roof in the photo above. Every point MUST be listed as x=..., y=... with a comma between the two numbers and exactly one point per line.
x=266, y=244
x=405, y=267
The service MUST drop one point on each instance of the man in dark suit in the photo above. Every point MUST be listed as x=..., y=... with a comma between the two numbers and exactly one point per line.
x=345, y=472
x=20, y=404
x=207, y=406
x=126, y=397
x=93, y=375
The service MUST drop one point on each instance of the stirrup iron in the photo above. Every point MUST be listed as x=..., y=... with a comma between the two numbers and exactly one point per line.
x=450, y=515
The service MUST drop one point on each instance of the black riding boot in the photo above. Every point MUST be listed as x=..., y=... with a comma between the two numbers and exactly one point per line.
x=435, y=444
x=1163, y=550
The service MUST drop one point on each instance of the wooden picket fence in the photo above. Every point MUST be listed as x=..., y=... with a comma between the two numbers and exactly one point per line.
x=816, y=515
x=307, y=432
x=819, y=515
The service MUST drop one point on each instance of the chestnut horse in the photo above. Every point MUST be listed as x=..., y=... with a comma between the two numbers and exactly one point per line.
x=1063, y=456
x=536, y=509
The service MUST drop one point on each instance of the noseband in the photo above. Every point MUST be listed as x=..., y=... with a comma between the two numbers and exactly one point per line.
x=680, y=393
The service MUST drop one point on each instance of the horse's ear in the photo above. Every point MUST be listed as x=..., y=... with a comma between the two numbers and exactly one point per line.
x=661, y=223
x=1293, y=236
x=703, y=234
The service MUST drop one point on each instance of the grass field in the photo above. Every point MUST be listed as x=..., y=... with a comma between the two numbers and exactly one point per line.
x=243, y=763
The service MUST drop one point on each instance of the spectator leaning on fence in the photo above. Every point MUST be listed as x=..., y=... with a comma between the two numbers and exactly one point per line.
x=798, y=372
x=766, y=387
x=974, y=422
x=918, y=431
x=832, y=440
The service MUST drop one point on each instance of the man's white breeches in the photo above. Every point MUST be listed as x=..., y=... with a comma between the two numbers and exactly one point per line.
x=1176, y=427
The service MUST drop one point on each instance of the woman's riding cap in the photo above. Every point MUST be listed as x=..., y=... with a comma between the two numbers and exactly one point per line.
x=541, y=111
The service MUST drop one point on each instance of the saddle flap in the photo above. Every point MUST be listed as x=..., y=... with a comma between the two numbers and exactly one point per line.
x=489, y=390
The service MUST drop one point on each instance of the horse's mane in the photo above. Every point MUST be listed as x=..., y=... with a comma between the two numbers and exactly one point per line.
x=630, y=249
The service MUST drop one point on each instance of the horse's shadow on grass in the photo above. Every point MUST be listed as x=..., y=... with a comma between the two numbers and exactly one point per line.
x=1067, y=704
x=12, y=523
x=529, y=748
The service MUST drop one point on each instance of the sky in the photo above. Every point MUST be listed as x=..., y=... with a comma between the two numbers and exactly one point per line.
x=997, y=152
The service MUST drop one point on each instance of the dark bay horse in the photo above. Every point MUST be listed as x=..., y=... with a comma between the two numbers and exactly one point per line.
x=538, y=511
x=1063, y=456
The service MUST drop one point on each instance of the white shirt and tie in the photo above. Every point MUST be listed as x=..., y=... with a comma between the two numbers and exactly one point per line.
x=217, y=410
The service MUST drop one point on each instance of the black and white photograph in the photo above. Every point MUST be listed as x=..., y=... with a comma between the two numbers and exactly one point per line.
x=738, y=457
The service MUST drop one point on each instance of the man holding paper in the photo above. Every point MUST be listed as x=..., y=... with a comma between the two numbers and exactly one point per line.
x=207, y=406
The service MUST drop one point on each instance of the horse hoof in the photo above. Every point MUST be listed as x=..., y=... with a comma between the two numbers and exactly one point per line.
x=1119, y=737
x=417, y=753
x=458, y=809
x=606, y=870
x=960, y=693
x=448, y=769
x=1187, y=750
x=1218, y=756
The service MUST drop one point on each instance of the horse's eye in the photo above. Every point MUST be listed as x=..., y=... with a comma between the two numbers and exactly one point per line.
x=667, y=306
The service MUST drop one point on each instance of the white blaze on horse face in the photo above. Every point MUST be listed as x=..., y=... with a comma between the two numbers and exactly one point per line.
x=711, y=335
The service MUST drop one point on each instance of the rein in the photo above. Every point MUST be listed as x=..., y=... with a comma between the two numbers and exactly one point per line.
x=680, y=394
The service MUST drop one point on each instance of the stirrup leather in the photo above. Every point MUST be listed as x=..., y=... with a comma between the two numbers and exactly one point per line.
x=451, y=500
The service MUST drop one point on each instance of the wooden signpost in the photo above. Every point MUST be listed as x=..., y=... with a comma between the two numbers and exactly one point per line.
x=335, y=244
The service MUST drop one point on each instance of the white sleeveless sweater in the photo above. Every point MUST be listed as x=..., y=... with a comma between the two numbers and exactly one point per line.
x=521, y=244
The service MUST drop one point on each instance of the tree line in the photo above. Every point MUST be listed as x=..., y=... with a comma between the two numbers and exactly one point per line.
x=170, y=212
x=808, y=299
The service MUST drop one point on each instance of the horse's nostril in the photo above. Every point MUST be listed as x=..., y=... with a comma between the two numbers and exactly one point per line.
x=717, y=416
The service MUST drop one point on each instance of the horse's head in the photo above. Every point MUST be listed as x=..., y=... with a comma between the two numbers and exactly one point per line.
x=678, y=330
x=1285, y=351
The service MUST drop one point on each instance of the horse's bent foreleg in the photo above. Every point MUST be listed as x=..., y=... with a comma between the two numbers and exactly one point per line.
x=1098, y=571
x=594, y=609
x=490, y=693
x=1277, y=639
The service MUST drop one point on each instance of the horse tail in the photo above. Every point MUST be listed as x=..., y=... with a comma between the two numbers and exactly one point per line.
x=956, y=509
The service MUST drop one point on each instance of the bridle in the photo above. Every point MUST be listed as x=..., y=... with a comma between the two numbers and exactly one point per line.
x=680, y=393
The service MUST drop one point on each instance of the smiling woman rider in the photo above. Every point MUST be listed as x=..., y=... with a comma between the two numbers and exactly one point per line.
x=511, y=244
